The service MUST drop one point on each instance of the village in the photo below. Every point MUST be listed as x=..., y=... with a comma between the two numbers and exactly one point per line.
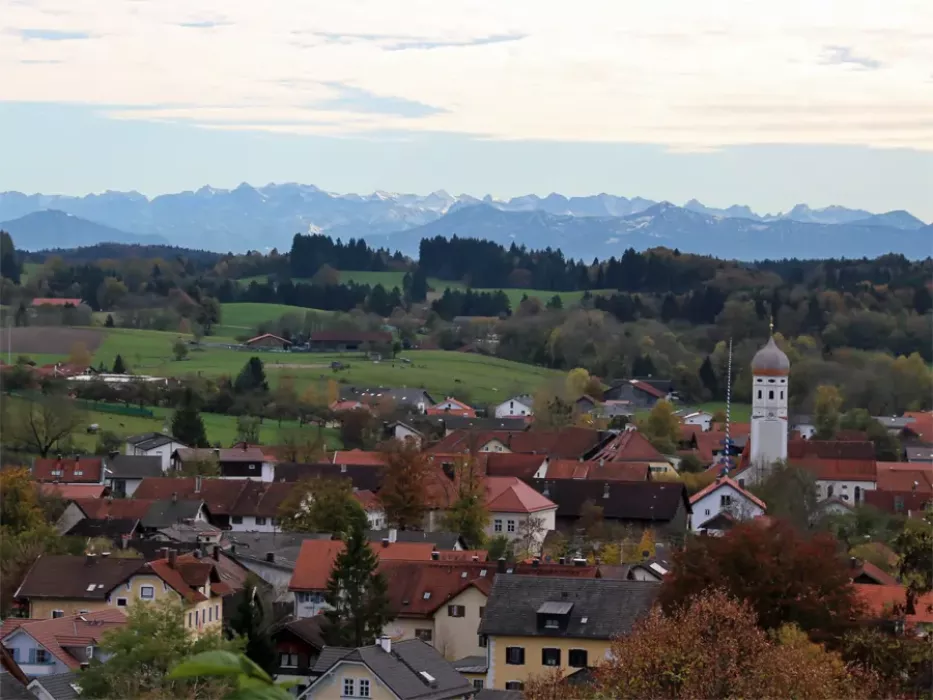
x=469, y=556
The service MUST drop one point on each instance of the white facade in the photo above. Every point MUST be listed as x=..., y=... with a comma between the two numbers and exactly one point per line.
x=725, y=498
x=518, y=525
x=514, y=407
x=250, y=523
x=700, y=418
x=806, y=430
x=769, y=428
x=309, y=603
x=405, y=432
x=163, y=452
x=850, y=492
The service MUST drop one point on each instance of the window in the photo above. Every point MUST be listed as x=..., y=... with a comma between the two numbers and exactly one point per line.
x=425, y=635
x=577, y=658
x=260, y=520
x=782, y=394
x=898, y=504
x=456, y=611
x=236, y=519
x=273, y=522
x=515, y=656
x=89, y=651
x=147, y=592
x=550, y=657
x=707, y=511
x=514, y=685
x=217, y=612
x=759, y=393
x=121, y=602
x=478, y=683
x=725, y=500
x=364, y=687
x=771, y=394
x=42, y=656
x=552, y=623
x=348, y=687
x=482, y=611
x=829, y=491
x=858, y=494
x=189, y=619
x=197, y=618
x=511, y=526
x=497, y=525
x=483, y=641
x=288, y=660
x=210, y=614
x=58, y=613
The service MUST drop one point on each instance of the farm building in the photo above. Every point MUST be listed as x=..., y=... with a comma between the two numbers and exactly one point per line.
x=343, y=341
x=268, y=341
x=48, y=301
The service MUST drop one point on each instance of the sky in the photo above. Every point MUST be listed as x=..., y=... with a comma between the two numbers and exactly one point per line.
x=759, y=102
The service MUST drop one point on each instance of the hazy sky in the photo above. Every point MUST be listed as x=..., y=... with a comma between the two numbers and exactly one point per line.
x=763, y=102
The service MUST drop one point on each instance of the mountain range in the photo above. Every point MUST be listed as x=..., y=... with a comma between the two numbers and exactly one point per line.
x=583, y=227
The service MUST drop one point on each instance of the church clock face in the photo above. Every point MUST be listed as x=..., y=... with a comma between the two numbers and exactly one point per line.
x=771, y=414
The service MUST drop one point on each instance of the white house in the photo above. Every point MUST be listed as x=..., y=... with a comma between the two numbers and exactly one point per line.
x=515, y=406
x=404, y=432
x=803, y=425
x=153, y=444
x=375, y=512
x=724, y=497
x=518, y=512
x=849, y=486
x=700, y=418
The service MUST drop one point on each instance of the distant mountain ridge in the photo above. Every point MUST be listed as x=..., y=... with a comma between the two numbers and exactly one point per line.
x=51, y=228
x=267, y=217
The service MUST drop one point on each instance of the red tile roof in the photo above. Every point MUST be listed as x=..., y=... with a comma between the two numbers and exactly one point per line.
x=49, y=301
x=114, y=508
x=726, y=481
x=570, y=443
x=859, y=569
x=629, y=446
x=457, y=408
x=368, y=500
x=897, y=502
x=838, y=469
x=220, y=495
x=349, y=405
x=607, y=471
x=509, y=494
x=922, y=426
x=359, y=458
x=74, y=630
x=905, y=476
x=648, y=389
x=267, y=335
x=73, y=491
x=513, y=464
x=862, y=450
x=316, y=559
x=881, y=601
x=87, y=470
x=176, y=579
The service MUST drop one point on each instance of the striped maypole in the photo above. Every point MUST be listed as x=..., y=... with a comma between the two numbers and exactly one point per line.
x=729, y=410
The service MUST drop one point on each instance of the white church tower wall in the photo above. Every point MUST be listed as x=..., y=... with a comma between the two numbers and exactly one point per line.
x=770, y=395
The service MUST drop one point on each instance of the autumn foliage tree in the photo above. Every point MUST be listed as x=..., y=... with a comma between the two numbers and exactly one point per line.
x=403, y=493
x=787, y=577
x=711, y=647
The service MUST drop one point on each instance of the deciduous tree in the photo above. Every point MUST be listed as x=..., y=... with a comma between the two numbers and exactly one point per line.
x=38, y=424
x=180, y=349
x=403, y=493
x=662, y=427
x=322, y=505
x=468, y=514
x=826, y=411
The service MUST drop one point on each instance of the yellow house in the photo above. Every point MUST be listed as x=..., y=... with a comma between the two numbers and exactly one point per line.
x=536, y=624
x=386, y=671
x=57, y=586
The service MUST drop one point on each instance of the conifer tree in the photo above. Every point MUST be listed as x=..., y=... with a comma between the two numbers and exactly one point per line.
x=119, y=366
x=187, y=425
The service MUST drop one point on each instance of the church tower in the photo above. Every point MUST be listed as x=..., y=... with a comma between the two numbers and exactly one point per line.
x=770, y=373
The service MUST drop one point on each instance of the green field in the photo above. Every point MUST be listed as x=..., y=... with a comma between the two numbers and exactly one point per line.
x=741, y=412
x=242, y=318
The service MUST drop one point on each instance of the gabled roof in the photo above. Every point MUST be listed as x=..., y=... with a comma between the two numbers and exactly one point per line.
x=111, y=529
x=881, y=600
x=220, y=495
x=863, y=450
x=350, y=337
x=725, y=481
x=517, y=464
x=185, y=577
x=922, y=425
x=117, y=508
x=60, y=686
x=75, y=577
x=12, y=688
x=571, y=443
x=74, y=491
x=267, y=335
x=600, y=470
x=441, y=540
x=629, y=446
x=164, y=513
x=647, y=501
x=648, y=388
x=316, y=559
x=310, y=630
x=150, y=441
x=85, y=470
x=361, y=476
x=368, y=500
x=133, y=466
x=359, y=458
x=411, y=670
x=74, y=630
x=229, y=454
x=860, y=570
x=509, y=494
x=905, y=476
x=897, y=502
x=599, y=608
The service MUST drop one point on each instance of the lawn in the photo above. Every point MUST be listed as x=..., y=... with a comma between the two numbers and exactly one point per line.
x=741, y=412
x=243, y=318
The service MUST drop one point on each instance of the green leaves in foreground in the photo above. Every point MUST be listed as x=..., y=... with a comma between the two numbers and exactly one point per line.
x=252, y=682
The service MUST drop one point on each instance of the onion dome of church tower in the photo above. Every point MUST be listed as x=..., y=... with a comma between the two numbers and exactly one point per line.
x=770, y=360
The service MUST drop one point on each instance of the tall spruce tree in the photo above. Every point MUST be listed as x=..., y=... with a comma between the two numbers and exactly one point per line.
x=357, y=594
x=251, y=621
x=251, y=378
x=119, y=366
x=187, y=425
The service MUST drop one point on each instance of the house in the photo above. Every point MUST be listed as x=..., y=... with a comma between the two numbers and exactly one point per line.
x=408, y=670
x=49, y=301
x=245, y=462
x=359, y=458
x=889, y=603
x=909, y=503
x=864, y=572
x=564, y=443
x=124, y=473
x=600, y=470
x=113, y=529
x=632, y=446
x=404, y=432
x=372, y=506
x=75, y=470
x=348, y=341
x=268, y=341
x=723, y=497
x=60, y=585
x=153, y=445
x=535, y=624
x=662, y=506
x=298, y=645
x=905, y=476
x=521, y=405
x=524, y=466
x=518, y=512
x=69, y=492
x=803, y=425
x=641, y=394
x=316, y=560
x=58, y=686
x=442, y=603
x=58, y=645
x=474, y=669
x=895, y=425
x=585, y=405
x=451, y=407
x=699, y=418
x=13, y=681
x=271, y=556
x=416, y=401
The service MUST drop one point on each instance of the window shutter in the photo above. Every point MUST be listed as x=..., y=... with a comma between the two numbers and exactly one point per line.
x=32, y=656
x=521, y=655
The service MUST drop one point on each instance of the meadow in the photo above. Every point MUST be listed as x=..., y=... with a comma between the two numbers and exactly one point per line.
x=239, y=319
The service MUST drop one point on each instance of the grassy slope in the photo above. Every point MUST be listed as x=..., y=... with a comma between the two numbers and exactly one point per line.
x=242, y=318
x=741, y=412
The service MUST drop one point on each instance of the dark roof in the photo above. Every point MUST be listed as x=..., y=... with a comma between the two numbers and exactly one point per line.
x=365, y=477
x=133, y=466
x=68, y=576
x=12, y=689
x=350, y=337
x=400, y=396
x=310, y=629
x=150, y=441
x=401, y=670
x=487, y=423
x=601, y=609
x=441, y=540
x=471, y=664
x=329, y=656
x=168, y=512
x=494, y=694
x=111, y=529
x=243, y=454
x=285, y=546
x=60, y=685
x=154, y=549
x=221, y=496
x=655, y=501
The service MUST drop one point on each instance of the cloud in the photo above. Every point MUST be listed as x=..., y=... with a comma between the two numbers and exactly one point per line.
x=52, y=35
x=841, y=55
x=689, y=76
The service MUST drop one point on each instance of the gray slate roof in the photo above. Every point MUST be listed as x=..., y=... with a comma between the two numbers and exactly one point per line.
x=168, y=512
x=59, y=685
x=149, y=441
x=493, y=694
x=12, y=689
x=111, y=529
x=134, y=466
x=400, y=670
x=441, y=540
x=897, y=422
x=471, y=664
x=255, y=545
x=919, y=454
x=602, y=609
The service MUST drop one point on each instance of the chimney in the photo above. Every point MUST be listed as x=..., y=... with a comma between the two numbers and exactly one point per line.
x=385, y=541
x=535, y=562
x=386, y=643
x=216, y=553
x=606, y=490
x=90, y=559
x=853, y=562
x=217, y=452
x=393, y=534
x=197, y=484
x=172, y=557
x=500, y=565
x=343, y=468
x=270, y=557
x=579, y=561
x=562, y=561
x=435, y=555
x=174, y=496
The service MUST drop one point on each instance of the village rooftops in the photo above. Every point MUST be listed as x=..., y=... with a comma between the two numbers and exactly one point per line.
x=149, y=441
x=88, y=470
x=229, y=454
x=76, y=577
x=133, y=467
x=509, y=494
x=316, y=559
x=59, y=634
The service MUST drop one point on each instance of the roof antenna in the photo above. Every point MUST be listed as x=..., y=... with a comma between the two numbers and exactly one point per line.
x=728, y=465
